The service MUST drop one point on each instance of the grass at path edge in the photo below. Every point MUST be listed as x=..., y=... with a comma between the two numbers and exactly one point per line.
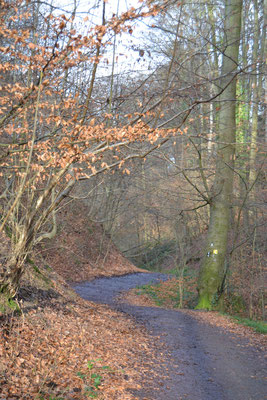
x=258, y=326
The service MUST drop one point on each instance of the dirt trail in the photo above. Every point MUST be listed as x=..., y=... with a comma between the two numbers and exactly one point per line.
x=203, y=362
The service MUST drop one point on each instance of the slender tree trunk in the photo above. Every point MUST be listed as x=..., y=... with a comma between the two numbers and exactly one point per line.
x=210, y=285
x=255, y=108
x=214, y=62
x=265, y=65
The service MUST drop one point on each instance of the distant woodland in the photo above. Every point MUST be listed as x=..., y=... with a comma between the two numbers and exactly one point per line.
x=153, y=115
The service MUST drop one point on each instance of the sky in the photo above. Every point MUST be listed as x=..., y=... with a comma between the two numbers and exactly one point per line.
x=127, y=54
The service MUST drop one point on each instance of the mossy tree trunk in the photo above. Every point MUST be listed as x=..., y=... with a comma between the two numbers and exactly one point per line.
x=210, y=285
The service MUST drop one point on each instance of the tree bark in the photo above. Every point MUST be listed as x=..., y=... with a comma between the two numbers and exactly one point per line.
x=256, y=89
x=15, y=266
x=211, y=279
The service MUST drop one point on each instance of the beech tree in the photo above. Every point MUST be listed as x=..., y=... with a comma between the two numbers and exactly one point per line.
x=193, y=49
x=213, y=270
x=50, y=138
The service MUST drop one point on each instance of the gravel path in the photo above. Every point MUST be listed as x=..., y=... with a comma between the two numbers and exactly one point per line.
x=203, y=362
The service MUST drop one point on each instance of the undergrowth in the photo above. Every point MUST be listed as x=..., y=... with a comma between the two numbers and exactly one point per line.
x=92, y=378
x=168, y=293
x=258, y=326
x=155, y=255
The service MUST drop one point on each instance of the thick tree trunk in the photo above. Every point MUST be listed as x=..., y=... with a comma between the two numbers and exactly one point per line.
x=210, y=285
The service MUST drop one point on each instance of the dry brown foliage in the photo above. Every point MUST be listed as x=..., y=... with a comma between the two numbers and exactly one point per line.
x=44, y=349
x=81, y=250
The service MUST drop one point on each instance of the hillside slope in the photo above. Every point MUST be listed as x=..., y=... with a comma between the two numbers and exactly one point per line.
x=60, y=346
x=81, y=250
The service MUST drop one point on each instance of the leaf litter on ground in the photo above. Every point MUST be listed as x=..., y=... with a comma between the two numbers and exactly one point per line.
x=46, y=353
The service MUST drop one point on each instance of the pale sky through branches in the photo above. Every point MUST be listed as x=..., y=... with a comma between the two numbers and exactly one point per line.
x=129, y=55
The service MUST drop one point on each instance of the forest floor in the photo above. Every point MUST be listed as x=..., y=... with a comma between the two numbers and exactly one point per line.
x=62, y=347
x=65, y=348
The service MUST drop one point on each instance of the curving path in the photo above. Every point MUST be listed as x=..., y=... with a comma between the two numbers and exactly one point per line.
x=203, y=362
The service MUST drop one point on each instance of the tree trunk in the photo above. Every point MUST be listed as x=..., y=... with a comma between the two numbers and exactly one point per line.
x=26, y=236
x=256, y=89
x=265, y=64
x=14, y=268
x=210, y=285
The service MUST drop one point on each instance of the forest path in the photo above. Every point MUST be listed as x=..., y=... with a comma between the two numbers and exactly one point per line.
x=203, y=362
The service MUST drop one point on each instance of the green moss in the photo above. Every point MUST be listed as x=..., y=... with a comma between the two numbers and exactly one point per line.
x=207, y=302
x=204, y=303
x=13, y=305
x=39, y=273
x=8, y=305
x=36, y=269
